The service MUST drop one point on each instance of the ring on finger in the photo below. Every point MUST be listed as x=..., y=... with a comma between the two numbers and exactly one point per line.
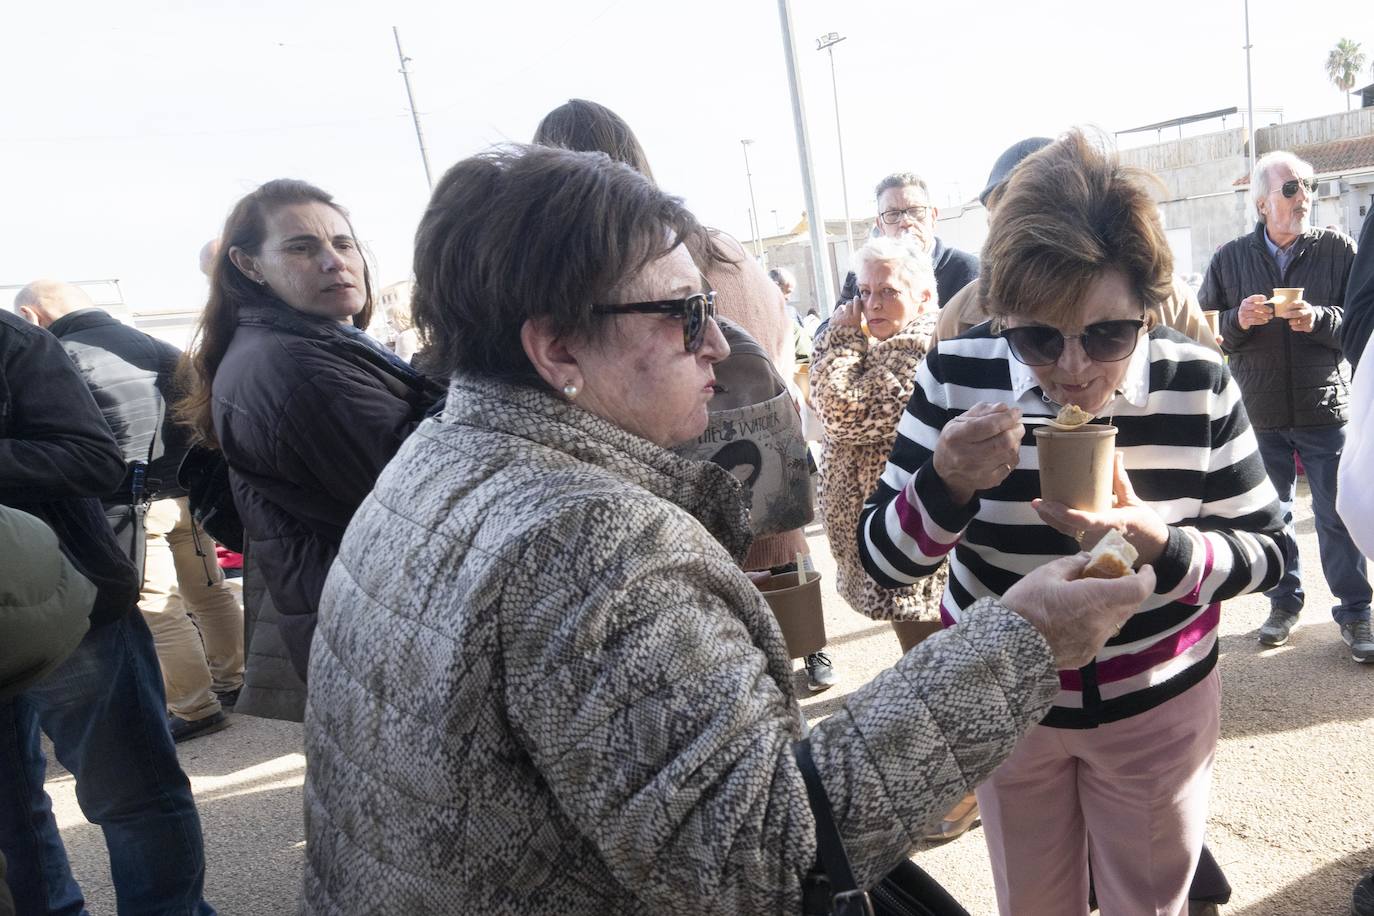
x=1079, y=535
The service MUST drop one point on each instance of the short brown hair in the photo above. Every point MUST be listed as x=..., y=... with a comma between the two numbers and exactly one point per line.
x=1069, y=213
x=524, y=232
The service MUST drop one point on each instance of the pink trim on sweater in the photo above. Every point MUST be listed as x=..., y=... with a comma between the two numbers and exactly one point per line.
x=1196, y=594
x=913, y=526
x=1171, y=646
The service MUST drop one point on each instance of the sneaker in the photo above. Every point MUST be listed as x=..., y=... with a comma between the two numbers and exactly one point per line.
x=185, y=729
x=820, y=672
x=1360, y=640
x=1362, y=901
x=228, y=699
x=1275, y=630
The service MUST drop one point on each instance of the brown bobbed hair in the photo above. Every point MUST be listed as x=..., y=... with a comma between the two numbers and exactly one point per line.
x=230, y=291
x=522, y=232
x=1069, y=213
x=579, y=124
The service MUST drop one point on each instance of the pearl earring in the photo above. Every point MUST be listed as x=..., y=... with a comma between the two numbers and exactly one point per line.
x=570, y=391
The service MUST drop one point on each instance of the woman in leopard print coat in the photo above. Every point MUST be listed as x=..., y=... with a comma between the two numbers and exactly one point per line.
x=860, y=383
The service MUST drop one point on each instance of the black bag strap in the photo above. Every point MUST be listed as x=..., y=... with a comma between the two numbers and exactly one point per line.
x=846, y=897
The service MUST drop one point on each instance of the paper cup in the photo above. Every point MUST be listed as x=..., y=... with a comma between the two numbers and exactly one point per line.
x=1284, y=298
x=1076, y=466
x=1212, y=317
x=798, y=611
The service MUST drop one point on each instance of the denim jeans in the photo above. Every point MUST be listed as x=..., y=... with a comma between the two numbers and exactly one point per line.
x=1344, y=565
x=105, y=712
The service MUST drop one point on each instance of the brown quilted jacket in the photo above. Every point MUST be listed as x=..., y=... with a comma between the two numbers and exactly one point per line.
x=540, y=685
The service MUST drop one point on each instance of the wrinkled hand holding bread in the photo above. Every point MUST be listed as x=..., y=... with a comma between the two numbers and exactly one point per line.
x=1112, y=558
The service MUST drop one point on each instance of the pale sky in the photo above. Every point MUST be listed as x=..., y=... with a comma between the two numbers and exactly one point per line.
x=130, y=129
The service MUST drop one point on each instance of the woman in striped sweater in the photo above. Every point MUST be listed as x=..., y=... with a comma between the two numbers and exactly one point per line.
x=1121, y=765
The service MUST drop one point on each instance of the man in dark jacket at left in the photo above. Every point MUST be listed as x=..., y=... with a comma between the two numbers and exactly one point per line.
x=1293, y=377
x=131, y=374
x=103, y=708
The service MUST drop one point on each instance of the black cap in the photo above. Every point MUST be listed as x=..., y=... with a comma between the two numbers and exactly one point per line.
x=1009, y=160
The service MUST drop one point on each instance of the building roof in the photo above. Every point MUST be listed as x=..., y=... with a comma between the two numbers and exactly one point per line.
x=1332, y=158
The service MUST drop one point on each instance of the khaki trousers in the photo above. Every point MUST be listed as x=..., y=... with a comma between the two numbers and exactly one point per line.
x=197, y=622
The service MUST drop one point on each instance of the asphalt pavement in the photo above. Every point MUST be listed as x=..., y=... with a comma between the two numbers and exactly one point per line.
x=1292, y=814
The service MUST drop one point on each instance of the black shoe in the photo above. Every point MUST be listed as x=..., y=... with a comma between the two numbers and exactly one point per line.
x=1358, y=637
x=1275, y=630
x=1362, y=901
x=185, y=730
x=820, y=673
x=228, y=699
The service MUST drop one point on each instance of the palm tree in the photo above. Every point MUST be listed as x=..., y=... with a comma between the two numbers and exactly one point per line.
x=1343, y=65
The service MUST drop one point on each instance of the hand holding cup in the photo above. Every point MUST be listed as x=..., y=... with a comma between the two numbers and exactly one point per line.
x=1138, y=523
x=1301, y=317
x=1255, y=310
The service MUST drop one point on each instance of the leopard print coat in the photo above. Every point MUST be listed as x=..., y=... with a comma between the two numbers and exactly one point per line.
x=860, y=388
x=541, y=685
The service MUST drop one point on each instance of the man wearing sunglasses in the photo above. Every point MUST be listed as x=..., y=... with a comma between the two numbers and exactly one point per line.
x=1293, y=377
x=905, y=212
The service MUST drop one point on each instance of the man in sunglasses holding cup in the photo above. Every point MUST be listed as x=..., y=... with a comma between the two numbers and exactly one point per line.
x=1287, y=359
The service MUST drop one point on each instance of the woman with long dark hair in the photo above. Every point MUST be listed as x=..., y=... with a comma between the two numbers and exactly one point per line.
x=306, y=408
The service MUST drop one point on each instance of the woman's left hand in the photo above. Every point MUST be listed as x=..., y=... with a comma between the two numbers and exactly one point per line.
x=1137, y=522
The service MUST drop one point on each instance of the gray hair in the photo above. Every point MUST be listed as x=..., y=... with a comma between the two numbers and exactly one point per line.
x=910, y=262
x=781, y=275
x=1259, y=178
x=901, y=180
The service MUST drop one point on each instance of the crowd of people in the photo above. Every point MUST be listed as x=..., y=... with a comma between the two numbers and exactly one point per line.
x=505, y=564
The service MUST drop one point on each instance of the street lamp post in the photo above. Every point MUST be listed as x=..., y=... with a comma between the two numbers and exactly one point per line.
x=753, y=207
x=827, y=43
x=1249, y=94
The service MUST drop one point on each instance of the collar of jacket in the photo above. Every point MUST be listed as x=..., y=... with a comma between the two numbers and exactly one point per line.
x=705, y=490
x=279, y=315
x=81, y=320
x=1257, y=238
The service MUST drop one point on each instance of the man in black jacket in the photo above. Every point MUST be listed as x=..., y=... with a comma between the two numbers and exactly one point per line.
x=1293, y=377
x=905, y=212
x=131, y=374
x=103, y=707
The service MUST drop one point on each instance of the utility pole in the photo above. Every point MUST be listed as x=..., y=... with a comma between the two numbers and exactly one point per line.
x=820, y=255
x=753, y=207
x=1249, y=94
x=410, y=96
x=827, y=43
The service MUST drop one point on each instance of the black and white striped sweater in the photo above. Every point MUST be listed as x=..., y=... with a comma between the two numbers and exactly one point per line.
x=1191, y=456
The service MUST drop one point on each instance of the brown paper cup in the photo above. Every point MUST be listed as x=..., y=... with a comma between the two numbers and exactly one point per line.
x=1284, y=298
x=798, y=610
x=1212, y=318
x=1076, y=466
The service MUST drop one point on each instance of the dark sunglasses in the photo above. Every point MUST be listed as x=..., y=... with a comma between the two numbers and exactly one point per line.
x=695, y=311
x=1103, y=341
x=1290, y=187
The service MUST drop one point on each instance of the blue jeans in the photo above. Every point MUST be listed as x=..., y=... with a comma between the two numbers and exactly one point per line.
x=105, y=712
x=1320, y=449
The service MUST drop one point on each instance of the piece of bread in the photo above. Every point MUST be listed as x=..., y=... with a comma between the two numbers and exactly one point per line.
x=1112, y=558
x=1072, y=415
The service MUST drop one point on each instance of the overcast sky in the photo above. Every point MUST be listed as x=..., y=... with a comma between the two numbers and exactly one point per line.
x=130, y=129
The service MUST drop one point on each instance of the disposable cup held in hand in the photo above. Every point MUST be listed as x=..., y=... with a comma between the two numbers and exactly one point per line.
x=1212, y=318
x=1076, y=466
x=797, y=607
x=1284, y=299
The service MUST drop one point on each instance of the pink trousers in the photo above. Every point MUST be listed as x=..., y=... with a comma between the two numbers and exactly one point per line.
x=1133, y=794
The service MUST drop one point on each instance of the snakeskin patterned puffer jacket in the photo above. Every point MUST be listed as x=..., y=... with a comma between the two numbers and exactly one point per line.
x=541, y=685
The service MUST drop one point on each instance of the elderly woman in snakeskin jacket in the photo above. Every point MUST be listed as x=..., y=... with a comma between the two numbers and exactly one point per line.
x=863, y=372
x=541, y=683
